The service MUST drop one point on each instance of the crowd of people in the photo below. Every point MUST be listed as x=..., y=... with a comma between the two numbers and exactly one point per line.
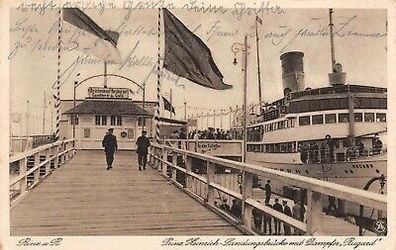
x=211, y=134
x=324, y=152
x=265, y=223
x=206, y=134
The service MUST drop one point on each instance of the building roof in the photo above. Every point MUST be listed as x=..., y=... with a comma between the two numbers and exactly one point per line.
x=108, y=107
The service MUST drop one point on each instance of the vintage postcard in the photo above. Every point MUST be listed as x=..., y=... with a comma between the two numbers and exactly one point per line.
x=197, y=124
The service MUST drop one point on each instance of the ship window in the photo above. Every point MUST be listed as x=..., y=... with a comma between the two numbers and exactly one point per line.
x=289, y=171
x=104, y=120
x=304, y=120
x=330, y=118
x=381, y=117
x=358, y=117
x=97, y=120
x=112, y=120
x=119, y=121
x=369, y=117
x=342, y=118
x=317, y=119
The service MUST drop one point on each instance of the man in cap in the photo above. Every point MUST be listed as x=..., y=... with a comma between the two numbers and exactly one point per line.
x=143, y=144
x=110, y=146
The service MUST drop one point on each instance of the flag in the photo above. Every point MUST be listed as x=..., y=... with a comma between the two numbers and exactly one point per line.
x=258, y=19
x=94, y=41
x=168, y=106
x=187, y=56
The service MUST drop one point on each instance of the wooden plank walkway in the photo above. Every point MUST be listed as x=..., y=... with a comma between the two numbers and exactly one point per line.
x=83, y=198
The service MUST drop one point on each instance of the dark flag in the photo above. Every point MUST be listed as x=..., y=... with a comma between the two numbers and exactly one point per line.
x=95, y=41
x=168, y=106
x=187, y=56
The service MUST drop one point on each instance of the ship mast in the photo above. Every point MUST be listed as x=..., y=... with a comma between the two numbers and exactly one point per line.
x=333, y=61
x=338, y=78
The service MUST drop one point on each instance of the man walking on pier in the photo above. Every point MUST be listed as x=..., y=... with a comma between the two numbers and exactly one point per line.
x=110, y=144
x=143, y=144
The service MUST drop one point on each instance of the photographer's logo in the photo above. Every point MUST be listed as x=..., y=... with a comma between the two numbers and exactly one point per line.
x=380, y=227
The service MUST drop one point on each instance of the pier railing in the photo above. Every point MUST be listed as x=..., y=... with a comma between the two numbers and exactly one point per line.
x=29, y=168
x=180, y=167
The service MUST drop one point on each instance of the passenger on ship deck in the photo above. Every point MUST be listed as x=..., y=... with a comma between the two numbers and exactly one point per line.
x=329, y=144
x=315, y=152
x=376, y=144
x=303, y=153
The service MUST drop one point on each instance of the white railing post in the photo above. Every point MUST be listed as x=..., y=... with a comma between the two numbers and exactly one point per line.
x=210, y=175
x=48, y=164
x=164, y=167
x=247, y=192
x=314, y=213
x=174, y=164
x=36, y=173
x=22, y=172
x=188, y=171
x=56, y=158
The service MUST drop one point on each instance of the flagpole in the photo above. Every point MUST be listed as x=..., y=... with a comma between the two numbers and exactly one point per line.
x=258, y=64
x=57, y=103
x=158, y=108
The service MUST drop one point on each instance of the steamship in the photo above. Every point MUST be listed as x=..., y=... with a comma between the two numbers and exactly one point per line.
x=336, y=133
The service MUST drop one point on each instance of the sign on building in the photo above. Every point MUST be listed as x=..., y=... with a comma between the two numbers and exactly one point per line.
x=100, y=92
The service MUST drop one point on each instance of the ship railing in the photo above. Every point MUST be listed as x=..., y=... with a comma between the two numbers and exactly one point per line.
x=29, y=168
x=346, y=155
x=180, y=167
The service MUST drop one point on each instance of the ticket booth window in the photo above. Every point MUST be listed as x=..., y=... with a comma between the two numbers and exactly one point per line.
x=87, y=133
x=131, y=133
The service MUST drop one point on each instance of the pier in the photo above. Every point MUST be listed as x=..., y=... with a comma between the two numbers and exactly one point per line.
x=61, y=191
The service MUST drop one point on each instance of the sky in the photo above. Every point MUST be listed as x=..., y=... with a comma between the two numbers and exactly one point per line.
x=360, y=46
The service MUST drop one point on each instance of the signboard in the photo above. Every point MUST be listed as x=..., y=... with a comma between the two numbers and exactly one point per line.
x=217, y=148
x=114, y=93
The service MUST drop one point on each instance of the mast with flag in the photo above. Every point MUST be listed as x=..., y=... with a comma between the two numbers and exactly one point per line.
x=187, y=56
x=94, y=41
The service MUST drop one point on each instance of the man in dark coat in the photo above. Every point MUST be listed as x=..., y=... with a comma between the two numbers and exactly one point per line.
x=287, y=211
x=110, y=146
x=143, y=144
x=278, y=207
x=268, y=191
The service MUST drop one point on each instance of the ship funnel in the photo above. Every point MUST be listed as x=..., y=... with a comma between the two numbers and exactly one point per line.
x=337, y=77
x=292, y=71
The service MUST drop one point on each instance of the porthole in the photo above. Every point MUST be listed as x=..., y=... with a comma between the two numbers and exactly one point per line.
x=371, y=165
x=377, y=171
x=346, y=171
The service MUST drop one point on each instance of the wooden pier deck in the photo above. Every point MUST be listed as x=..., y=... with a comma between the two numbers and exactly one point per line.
x=83, y=198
